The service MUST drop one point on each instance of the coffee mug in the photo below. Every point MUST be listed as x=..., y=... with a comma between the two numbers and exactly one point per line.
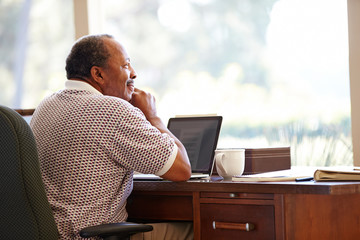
x=230, y=162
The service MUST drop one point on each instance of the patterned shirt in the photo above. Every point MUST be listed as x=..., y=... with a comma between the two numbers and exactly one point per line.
x=89, y=146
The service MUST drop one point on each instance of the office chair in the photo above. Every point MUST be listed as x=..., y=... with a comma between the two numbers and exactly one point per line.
x=25, y=212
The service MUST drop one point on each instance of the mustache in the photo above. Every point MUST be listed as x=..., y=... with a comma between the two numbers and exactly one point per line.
x=130, y=82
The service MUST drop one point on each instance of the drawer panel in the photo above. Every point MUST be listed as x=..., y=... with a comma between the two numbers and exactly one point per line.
x=143, y=207
x=235, y=195
x=228, y=221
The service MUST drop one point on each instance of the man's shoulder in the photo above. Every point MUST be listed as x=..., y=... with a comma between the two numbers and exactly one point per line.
x=91, y=103
x=111, y=101
x=117, y=105
x=103, y=100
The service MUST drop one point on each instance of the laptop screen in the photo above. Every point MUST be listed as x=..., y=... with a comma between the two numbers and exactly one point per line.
x=199, y=135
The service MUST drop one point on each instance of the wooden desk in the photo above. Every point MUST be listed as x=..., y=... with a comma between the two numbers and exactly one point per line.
x=278, y=210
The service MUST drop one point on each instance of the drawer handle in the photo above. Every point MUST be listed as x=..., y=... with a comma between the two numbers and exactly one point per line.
x=234, y=226
x=233, y=195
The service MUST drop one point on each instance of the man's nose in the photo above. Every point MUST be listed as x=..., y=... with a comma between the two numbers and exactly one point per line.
x=133, y=74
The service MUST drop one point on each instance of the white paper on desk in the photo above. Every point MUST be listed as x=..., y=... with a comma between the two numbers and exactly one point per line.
x=276, y=176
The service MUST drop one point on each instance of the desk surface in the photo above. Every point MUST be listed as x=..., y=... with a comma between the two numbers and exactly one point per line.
x=216, y=185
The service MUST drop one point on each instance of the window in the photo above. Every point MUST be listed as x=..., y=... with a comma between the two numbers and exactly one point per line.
x=275, y=70
x=35, y=38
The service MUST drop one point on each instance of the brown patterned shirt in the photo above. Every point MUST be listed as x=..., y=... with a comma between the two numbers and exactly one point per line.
x=89, y=145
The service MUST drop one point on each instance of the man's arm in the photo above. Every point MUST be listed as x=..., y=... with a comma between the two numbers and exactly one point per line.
x=180, y=170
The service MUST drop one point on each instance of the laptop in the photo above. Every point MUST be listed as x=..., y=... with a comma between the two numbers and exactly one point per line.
x=199, y=135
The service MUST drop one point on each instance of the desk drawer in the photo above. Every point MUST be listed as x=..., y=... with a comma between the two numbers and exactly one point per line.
x=160, y=206
x=237, y=221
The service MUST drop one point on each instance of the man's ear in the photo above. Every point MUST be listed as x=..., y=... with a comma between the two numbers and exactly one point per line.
x=97, y=74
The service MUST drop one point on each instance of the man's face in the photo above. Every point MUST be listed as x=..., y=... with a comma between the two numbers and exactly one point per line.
x=118, y=75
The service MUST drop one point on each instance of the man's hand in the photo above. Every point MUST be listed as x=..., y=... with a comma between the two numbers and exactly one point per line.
x=145, y=102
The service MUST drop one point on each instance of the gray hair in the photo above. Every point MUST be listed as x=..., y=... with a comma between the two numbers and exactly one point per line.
x=87, y=52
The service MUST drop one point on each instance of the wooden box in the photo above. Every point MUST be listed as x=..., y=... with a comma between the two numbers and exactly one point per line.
x=259, y=160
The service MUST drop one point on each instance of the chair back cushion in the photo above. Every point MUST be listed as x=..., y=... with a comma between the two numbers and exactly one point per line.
x=25, y=212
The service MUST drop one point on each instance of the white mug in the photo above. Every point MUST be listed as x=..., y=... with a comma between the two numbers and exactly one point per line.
x=230, y=162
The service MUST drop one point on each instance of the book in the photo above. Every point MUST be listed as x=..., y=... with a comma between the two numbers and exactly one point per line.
x=248, y=178
x=337, y=174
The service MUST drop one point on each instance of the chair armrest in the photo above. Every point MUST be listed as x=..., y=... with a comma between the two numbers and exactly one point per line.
x=123, y=229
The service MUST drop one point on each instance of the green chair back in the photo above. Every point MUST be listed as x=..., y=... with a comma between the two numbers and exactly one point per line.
x=25, y=212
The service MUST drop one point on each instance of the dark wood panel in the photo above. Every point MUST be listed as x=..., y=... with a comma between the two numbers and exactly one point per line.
x=237, y=201
x=160, y=206
x=330, y=217
x=235, y=216
x=196, y=209
x=279, y=217
x=256, y=187
x=25, y=112
x=236, y=195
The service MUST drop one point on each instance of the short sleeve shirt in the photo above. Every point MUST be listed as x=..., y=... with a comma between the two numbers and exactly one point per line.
x=89, y=146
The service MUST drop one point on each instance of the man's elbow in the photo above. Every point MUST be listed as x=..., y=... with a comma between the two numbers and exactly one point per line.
x=184, y=176
x=179, y=174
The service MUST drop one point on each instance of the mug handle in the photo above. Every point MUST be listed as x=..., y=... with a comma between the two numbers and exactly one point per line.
x=219, y=158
